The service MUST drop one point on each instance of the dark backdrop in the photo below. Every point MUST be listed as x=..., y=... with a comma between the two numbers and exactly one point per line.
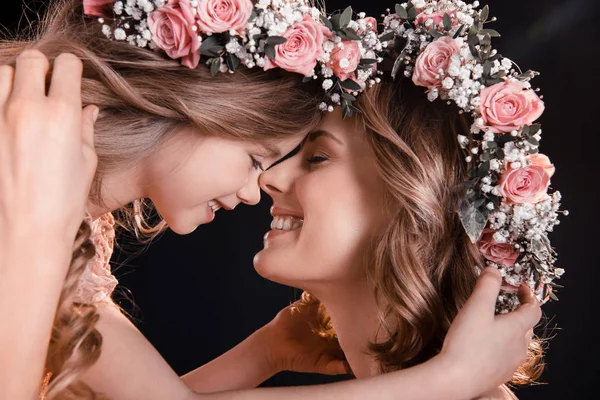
x=197, y=296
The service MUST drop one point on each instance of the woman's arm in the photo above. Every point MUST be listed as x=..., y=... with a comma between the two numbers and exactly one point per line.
x=47, y=164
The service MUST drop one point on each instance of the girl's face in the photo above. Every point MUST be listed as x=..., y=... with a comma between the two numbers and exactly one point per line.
x=190, y=177
x=328, y=205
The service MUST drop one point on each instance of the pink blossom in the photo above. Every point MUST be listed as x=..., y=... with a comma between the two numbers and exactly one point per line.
x=527, y=184
x=97, y=8
x=500, y=253
x=216, y=16
x=343, y=62
x=436, y=56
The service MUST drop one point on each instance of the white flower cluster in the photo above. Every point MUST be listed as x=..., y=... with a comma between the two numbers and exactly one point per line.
x=131, y=23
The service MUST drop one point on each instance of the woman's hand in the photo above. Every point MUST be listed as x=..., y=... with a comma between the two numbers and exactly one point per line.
x=488, y=348
x=47, y=157
x=294, y=346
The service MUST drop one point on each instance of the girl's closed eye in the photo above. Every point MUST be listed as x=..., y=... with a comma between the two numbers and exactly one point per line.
x=316, y=159
x=257, y=164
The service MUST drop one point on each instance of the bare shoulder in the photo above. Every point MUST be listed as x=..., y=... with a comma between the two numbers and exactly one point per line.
x=500, y=393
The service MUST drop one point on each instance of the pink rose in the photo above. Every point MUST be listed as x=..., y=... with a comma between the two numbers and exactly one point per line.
x=527, y=184
x=303, y=46
x=500, y=253
x=97, y=8
x=172, y=28
x=507, y=106
x=371, y=24
x=343, y=62
x=216, y=16
x=437, y=17
x=436, y=56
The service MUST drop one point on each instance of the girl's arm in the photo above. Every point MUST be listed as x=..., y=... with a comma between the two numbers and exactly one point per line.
x=494, y=346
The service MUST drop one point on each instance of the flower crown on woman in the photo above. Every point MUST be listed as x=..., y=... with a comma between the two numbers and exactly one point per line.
x=441, y=45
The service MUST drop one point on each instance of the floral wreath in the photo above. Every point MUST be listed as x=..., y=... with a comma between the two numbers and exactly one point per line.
x=441, y=45
x=288, y=34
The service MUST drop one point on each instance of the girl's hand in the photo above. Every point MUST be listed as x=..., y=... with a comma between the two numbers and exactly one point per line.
x=47, y=157
x=488, y=348
x=294, y=346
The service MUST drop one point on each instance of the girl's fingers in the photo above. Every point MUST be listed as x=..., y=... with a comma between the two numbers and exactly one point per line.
x=30, y=75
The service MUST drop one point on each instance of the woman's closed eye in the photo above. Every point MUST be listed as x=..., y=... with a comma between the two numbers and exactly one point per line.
x=316, y=159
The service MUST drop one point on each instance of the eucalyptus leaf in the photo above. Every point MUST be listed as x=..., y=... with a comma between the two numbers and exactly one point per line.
x=525, y=130
x=447, y=22
x=458, y=32
x=500, y=154
x=232, y=61
x=474, y=40
x=552, y=295
x=350, y=34
x=270, y=51
x=401, y=11
x=535, y=128
x=350, y=85
x=346, y=17
x=335, y=22
x=473, y=220
x=275, y=40
x=348, y=96
x=209, y=46
x=533, y=141
x=215, y=66
x=387, y=36
x=436, y=34
x=487, y=68
x=327, y=22
x=396, y=67
x=412, y=12
x=490, y=32
x=366, y=61
x=484, y=14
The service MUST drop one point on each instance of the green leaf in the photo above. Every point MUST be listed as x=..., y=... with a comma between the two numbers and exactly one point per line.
x=397, y=65
x=232, y=61
x=500, y=153
x=533, y=141
x=552, y=296
x=335, y=22
x=270, y=51
x=387, y=36
x=483, y=169
x=346, y=17
x=436, y=34
x=401, y=12
x=327, y=22
x=487, y=68
x=500, y=74
x=447, y=22
x=484, y=14
x=307, y=79
x=366, y=61
x=215, y=66
x=210, y=46
x=458, y=32
x=412, y=12
x=350, y=85
x=525, y=130
x=350, y=34
x=275, y=40
x=348, y=96
x=491, y=32
x=535, y=128
x=474, y=40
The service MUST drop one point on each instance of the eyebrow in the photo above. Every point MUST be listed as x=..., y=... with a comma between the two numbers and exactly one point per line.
x=272, y=150
x=314, y=135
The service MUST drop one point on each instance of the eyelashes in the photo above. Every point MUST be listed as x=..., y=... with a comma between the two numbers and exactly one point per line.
x=316, y=159
x=257, y=164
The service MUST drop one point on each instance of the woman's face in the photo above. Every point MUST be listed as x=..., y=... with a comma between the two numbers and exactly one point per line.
x=190, y=177
x=328, y=205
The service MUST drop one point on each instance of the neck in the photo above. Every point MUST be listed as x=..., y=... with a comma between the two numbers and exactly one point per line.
x=118, y=189
x=355, y=318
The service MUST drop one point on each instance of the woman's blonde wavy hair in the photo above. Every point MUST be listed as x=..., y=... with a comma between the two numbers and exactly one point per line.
x=424, y=267
x=145, y=98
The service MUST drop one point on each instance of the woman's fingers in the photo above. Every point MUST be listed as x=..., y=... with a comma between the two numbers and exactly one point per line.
x=486, y=292
x=30, y=75
x=66, y=79
x=7, y=74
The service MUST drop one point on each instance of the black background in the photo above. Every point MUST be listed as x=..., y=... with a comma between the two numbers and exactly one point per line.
x=196, y=296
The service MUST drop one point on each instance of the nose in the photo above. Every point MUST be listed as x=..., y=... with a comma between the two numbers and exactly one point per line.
x=250, y=192
x=280, y=178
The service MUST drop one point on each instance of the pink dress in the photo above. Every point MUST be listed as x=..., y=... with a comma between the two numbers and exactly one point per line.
x=97, y=282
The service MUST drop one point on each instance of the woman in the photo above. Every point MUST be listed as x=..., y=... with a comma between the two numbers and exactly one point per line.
x=159, y=124
x=366, y=216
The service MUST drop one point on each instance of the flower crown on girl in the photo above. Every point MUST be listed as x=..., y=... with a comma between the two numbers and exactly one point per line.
x=441, y=45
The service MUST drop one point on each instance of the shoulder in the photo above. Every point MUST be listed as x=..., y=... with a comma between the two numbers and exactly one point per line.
x=500, y=393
